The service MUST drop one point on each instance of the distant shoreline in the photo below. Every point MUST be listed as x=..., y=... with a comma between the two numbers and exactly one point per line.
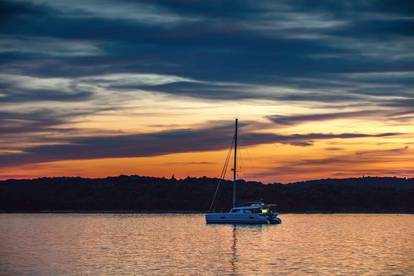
x=149, y=195
x=191, y=212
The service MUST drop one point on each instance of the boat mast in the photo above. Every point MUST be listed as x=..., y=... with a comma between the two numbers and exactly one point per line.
x=235, y=164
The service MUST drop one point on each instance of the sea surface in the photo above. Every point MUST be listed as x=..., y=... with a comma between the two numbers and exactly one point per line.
x=175, y=244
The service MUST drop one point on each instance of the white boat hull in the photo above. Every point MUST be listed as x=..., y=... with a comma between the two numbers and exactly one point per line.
x=239, y=218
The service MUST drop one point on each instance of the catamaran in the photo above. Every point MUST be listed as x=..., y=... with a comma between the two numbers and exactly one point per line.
x=247, y=213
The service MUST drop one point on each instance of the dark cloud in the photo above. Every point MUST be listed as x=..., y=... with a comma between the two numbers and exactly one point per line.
x=298, y=119
x=160, y=143
x=190, y=163
x=13, y=9
x=372, y=153
x=34, y=95
x=221, y=43
x=334, y=148
x=29, y=122
x=284, y=44
x=24, y=124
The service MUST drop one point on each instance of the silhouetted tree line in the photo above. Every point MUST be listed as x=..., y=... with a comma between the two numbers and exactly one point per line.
x=140, y=194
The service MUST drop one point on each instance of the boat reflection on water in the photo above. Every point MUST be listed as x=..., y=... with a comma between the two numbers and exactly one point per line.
x=234, y=251
x=240, y=231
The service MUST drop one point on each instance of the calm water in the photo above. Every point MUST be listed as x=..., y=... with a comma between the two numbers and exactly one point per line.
x=113, y=244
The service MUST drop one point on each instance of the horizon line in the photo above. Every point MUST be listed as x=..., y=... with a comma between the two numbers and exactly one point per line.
x=202, y=177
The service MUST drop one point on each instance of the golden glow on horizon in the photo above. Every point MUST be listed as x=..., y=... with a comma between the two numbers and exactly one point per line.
x=355, y=157
x=268, y=163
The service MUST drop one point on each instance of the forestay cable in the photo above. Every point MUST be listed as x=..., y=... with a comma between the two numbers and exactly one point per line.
x=223, y=174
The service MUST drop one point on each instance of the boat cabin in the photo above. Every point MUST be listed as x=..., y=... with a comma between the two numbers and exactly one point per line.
x=251, y=208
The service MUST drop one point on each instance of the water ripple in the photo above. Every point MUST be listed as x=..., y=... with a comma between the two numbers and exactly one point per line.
x=139, y=244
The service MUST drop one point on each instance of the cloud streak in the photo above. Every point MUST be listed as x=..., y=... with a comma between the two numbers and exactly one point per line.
x=160, y=143
x=299, y=119
x=46, y=46
x=343, y=165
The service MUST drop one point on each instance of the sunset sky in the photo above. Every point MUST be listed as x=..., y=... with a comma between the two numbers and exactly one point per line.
x=103, y=88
